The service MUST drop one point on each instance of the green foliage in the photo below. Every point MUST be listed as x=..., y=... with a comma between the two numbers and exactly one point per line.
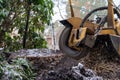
x=18, y=69
x=27, y=72
x=13, y=15
x=12, y=43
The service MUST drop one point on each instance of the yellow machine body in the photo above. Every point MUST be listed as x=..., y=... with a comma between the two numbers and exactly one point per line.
x=87, y=35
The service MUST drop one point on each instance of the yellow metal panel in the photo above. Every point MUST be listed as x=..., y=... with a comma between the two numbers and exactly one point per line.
x=73, y=40
x=117, y=25
x=107, y=31
x=75, y=22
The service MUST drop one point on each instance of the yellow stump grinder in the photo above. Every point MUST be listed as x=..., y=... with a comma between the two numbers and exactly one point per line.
x=79, y=34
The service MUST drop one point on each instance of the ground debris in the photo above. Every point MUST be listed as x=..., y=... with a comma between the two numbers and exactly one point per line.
x=57, y=66
x=78, y=72
x=104, y=63
x=85, y=74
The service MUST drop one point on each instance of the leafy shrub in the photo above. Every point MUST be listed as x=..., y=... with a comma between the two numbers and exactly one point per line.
x=16, y=16
x=18, y=69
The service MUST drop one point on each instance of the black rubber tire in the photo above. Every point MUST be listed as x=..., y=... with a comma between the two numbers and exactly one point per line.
x=63, y=45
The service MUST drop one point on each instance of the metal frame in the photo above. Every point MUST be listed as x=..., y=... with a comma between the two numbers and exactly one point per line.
x=84, y=32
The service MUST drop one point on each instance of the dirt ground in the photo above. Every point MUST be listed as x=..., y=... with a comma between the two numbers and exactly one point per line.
x=57, y=66
x=105, y=64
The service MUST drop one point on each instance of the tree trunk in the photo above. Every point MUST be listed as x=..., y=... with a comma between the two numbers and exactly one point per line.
x=27, y=25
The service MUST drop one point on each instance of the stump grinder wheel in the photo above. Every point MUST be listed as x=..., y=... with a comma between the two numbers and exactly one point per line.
x=63, y=44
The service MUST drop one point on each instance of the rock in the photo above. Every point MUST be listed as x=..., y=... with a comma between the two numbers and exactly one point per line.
x=89, y=73
x=96, y=78
x=80, y=65
x=79, y=71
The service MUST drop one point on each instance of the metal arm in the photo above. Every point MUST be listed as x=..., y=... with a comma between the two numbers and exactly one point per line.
x=110, y=17
x=71, y=9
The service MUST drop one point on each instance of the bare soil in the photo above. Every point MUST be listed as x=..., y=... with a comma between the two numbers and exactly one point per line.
x=105, y=64
x=57, y=66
